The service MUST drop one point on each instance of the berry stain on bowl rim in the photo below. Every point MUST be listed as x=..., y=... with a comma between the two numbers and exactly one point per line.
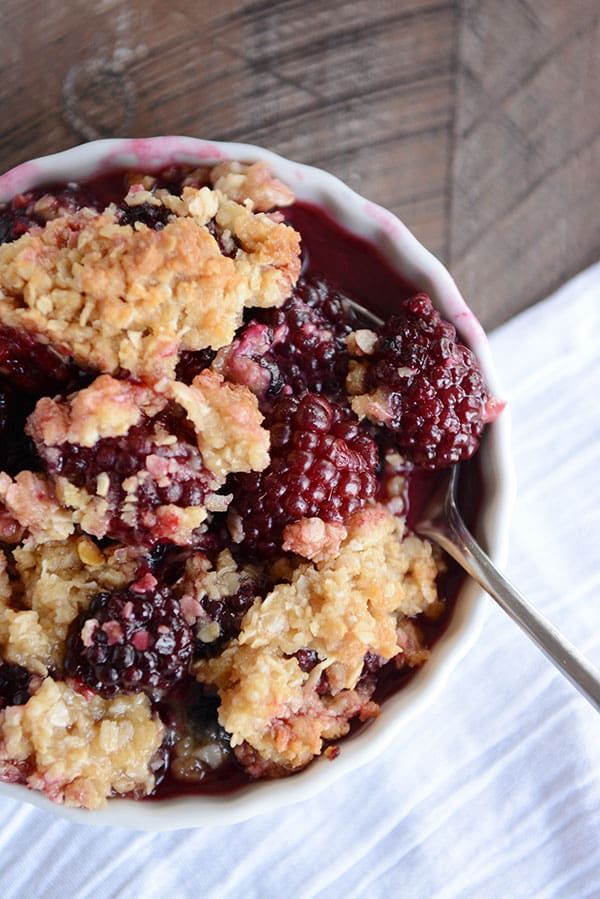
x=210, y=469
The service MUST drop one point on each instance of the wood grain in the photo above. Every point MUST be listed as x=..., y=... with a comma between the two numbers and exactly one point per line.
x=474, y=121
x=525, y=181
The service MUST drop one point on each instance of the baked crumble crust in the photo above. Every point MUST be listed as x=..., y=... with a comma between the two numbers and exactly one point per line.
x=107, y=408
x=115, y=297
x=254, y=182
x=341, y=609
x=296, y=740
x=269, y=263
x=225, y=417
x=314, y=538
x=227, y=421
x=239, y=181
x=31, y=507
x=79, y=749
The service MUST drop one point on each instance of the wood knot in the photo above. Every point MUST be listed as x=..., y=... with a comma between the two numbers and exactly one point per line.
x=99, y=99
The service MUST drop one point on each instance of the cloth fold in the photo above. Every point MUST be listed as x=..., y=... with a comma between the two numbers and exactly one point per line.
x=494, y=791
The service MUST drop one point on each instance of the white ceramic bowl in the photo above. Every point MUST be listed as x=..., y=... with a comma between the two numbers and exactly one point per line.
x=420, y=267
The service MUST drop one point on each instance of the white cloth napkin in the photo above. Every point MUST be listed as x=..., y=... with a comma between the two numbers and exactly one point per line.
x=495, y=790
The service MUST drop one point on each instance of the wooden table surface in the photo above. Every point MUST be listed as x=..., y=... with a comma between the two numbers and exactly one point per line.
x=477, y=122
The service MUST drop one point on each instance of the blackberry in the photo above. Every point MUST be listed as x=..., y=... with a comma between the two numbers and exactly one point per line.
x=228, y=611
x=322, y=465
x=321, y=296
x=155, y=217
x=191, y=363
x=368, y=676
x=311, y=350
x=436, y=400
x=120, y=458
x=14, y=685
x=28, y=370
x=129, y=641
x=14, y=221
x=298, y=347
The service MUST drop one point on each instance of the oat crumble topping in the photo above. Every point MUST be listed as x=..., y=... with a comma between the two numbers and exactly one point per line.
x=81, y=749
x=117, y=297
x=32, y=505
x=340, y=609
x=253, y=182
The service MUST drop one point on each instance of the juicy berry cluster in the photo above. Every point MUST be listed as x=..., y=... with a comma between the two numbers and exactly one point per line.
x=14, y=685
x=322, y=465
x=192, y=362
x=437, y=401
x=310, y=350
x=130, y=640
x=296, y=348
x=28, y=370
x=121, y=458
x=154, y=216
x=321, y=296
x=36, y=207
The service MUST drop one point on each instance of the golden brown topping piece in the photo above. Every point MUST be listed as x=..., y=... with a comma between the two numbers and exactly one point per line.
x=227, y=423
x=225, y=418
x=116, y=297
x=338, y=611
x=254, y=182
x=107, y=408
x=314, y=538
x=80, y=749
x=30, y=502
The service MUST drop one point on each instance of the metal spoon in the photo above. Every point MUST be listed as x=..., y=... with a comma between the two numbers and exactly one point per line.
x=444, y=525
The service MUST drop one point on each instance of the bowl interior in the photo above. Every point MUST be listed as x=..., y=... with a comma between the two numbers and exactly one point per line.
x=421, y=268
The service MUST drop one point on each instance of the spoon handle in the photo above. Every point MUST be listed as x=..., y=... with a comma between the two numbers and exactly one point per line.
x=453, y=536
